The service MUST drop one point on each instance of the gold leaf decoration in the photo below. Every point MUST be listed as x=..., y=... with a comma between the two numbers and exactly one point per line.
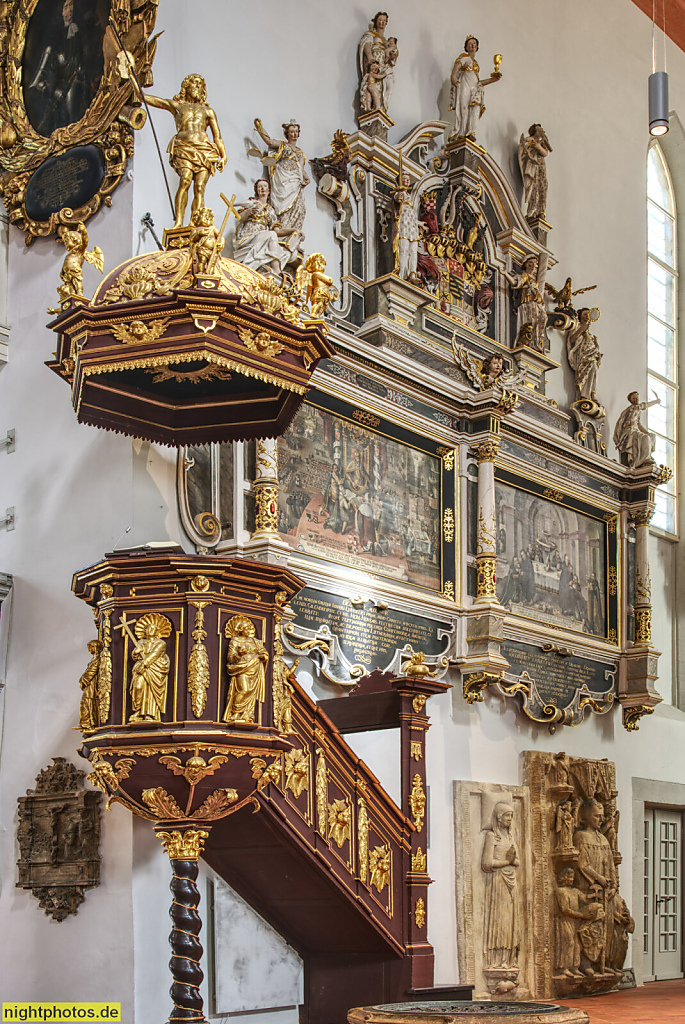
x=297, y=771
x=198, y=663
x=216, y=805
x=363, y=839
x=379, y=862
x=195, y=768
x=339, y=817
x=161, y=803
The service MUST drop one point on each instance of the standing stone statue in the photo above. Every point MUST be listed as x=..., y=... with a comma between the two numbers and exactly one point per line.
x=531, y=315
x=376, y=59
x=584, y=356
x=573, y=906
x=466, y=93
x=635, y=442
x=597, y=875
x=533, y=152
x=286, y=163
x=499, y=861
x=406, y=239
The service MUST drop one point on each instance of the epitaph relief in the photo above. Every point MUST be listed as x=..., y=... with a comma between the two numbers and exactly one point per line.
x=494, y=885
x=59, y=838
x=579, y=913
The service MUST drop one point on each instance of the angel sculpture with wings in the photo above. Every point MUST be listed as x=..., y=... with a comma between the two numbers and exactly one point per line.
x=71, y=274
x=531, y=315
x=137, y=332
x=314, y=286
x=488, y=374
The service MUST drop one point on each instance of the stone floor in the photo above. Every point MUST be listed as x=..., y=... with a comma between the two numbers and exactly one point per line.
x=657, y=1001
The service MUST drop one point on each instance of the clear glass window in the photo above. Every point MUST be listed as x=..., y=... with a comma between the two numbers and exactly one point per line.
x=662, y=364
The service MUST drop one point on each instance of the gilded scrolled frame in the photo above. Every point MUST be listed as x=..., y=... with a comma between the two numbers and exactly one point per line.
x=108, y=122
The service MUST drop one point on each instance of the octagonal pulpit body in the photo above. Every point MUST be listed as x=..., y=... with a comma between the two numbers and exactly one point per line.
x=178, y=709
x=166, y=355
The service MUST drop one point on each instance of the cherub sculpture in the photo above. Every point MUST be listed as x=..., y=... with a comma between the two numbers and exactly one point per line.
x=314, y=286
x=488, y=374
x=192, y=154
x=206, y=242
x=76, y=243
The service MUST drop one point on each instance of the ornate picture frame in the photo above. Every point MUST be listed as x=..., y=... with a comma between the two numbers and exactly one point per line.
x=380, y=544
x=60, y=178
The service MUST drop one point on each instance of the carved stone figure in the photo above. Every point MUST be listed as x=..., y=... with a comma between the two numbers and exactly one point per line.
x=192, y=154
x=76, y=243
x=376, y=59
x=89, y=714
x=466, y=93
x=246, y=662
x=564, y=826
x=531, y=316
x=501, y=932
x=406, y=239
x=150, y=675
x=624, y=925
x=286, y=164
x=634, y=441
x=260, y=240
x=532, y=153
x=584, y=355
x=573, y=906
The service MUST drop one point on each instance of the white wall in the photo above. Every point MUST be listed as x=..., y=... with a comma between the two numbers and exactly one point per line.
x=581, y=70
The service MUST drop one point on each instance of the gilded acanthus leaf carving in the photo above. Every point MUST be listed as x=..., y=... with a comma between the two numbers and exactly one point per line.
x=161, y=803
x=216, y=805
x=379, y=862
x=297, y=771
x=339, y=817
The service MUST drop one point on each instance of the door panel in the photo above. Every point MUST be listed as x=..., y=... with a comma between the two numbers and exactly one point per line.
x=663, y=900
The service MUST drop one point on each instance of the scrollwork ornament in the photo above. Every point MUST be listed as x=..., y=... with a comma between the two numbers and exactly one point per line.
x=643, y=625
x=420, y=912
x=105, y=126
x=475, y=683
x=448, y=525
x=633, y=714
x=417, y=802
x=266, y=508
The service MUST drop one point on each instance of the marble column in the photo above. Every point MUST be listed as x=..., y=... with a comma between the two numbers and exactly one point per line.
x=486, y=551
x=643, y=586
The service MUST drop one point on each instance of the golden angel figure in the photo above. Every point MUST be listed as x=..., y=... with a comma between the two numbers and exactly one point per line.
x=315, y=286
x=150, y=675
x=76, y=243
x=246, y=662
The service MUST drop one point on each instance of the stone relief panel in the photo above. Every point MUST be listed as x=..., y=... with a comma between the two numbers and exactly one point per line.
x=581, y=922
x=494, y=887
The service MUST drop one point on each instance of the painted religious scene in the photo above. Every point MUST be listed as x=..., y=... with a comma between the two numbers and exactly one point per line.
x=551, y=562
x=359, y=498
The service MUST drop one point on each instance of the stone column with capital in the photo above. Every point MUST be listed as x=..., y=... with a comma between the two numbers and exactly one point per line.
x=639, y=670
x=265, y=543
x=484, y=663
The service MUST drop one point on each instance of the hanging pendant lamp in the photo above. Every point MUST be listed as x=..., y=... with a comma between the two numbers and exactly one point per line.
x=658, y=86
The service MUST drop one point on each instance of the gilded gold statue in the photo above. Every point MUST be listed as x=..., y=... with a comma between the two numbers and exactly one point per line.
x=246, y=662
x=314, y=286
x=192, y=154
x=206, y=241
x=76, y=243
x=150, y=675
x=89, y=714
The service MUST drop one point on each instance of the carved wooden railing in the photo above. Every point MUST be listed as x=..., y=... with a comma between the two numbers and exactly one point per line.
x=261, y=783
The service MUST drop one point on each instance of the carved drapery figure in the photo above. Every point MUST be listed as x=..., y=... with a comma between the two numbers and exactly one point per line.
x=531, y=316
x=564, y=825
x=501, y=931
x=466, y=93
x=635, y=442
x=406, y=239
x=532, y=153
x=206, y=242
x=89, y=714
x=376, y=59
x=286, y=164
x=573, y=906
x=150, y=674
x=584, y=356
x=260, y=241
x=192, y=154
x=246, y=662
x=597, y=873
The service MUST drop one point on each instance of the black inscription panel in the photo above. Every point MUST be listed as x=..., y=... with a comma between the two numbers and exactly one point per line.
x=69, y=180
x=367, y=637
x=557, y=678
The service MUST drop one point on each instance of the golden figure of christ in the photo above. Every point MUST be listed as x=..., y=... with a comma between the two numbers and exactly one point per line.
x=192, y=154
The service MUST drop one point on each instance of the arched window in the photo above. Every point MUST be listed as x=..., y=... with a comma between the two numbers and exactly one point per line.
x=662, y=357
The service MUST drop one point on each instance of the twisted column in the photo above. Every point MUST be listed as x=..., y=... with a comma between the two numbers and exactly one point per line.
x=183, y=849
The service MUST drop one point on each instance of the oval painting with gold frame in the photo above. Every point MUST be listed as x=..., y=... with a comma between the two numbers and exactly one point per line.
x=66, y=122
